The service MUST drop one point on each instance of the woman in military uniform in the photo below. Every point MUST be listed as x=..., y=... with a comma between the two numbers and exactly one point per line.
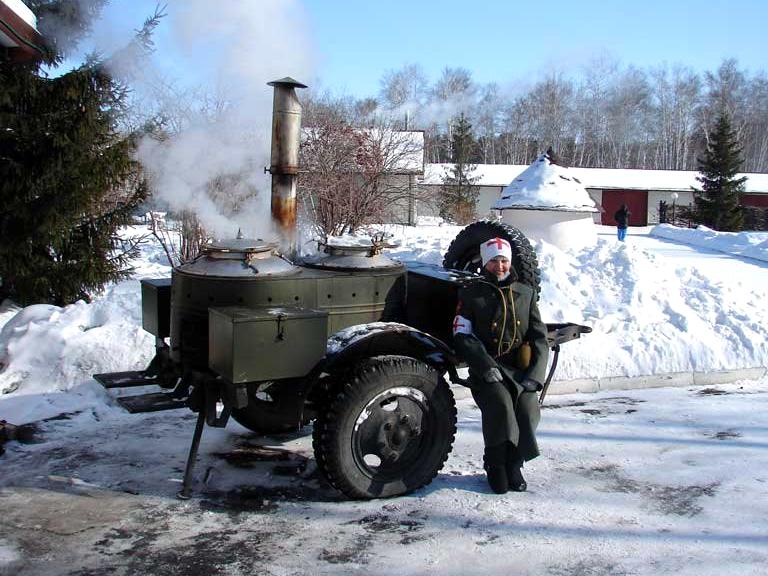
x=499, y=333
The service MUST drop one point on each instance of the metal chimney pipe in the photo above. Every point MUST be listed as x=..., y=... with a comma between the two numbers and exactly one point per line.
x=284, y=161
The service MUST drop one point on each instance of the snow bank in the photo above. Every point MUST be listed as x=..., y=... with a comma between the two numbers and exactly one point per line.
x=47, y=350
x=48, y=354
x=649, y=313
x=747, y=244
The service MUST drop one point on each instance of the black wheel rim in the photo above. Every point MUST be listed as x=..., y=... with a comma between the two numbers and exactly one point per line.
x=389, y=435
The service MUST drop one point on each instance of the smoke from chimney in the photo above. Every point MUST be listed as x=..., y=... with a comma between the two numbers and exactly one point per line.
x=237, y=47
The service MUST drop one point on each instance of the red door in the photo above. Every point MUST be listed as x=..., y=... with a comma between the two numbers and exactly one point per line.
x=636, y=200
x=754, y=200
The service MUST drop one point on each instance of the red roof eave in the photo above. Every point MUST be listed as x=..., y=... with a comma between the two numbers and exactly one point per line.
x=29, y=42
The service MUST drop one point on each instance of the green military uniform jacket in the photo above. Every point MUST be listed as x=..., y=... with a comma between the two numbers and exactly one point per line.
x=493, y=321
x=503, y=316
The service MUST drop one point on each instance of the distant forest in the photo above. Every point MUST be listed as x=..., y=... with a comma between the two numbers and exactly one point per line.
x=608, y=116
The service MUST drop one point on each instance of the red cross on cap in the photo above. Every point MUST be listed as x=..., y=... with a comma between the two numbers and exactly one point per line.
x=500, y=243
x=456, y=324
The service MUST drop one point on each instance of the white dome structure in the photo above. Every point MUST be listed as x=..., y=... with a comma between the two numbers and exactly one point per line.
x=545, y=202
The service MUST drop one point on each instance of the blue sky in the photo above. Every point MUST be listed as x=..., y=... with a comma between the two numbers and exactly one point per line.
x=510, y=40
x=352, y=43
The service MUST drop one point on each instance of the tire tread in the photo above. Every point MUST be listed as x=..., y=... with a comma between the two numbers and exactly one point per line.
x=341, y=393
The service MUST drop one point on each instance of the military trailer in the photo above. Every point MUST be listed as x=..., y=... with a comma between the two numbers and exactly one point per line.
x=349, y=339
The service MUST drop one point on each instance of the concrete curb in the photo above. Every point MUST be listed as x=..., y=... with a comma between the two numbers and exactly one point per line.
x=673, y=379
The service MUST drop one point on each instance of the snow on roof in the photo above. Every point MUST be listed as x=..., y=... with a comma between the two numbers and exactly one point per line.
x=679, y=180
x=487, y=174
x=598, y=178
x=546, y=185
x=18, y=31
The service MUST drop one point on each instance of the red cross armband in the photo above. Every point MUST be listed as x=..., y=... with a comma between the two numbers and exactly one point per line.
x=462, y=325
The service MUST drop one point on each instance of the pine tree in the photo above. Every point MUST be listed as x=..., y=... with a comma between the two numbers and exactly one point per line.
x=717, y=204
x=459, y=193
x=68, y=180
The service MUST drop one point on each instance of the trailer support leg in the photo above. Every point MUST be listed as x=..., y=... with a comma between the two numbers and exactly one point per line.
x=186, y=487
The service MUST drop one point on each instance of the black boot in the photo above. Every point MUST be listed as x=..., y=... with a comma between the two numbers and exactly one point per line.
x=495, y=468
x=514, y=467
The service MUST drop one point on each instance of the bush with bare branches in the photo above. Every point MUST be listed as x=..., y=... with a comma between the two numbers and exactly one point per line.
x=356, y=176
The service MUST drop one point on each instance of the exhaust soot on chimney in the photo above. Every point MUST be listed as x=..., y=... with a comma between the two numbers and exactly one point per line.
x=284, y=161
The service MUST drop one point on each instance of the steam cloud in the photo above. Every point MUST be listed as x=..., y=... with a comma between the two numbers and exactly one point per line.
x=238, y=46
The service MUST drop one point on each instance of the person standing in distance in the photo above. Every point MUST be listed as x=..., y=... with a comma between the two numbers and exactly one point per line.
x=622, y=221
x=498, y=332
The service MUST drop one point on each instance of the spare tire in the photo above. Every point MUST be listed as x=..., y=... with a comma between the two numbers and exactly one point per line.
x=464, y=251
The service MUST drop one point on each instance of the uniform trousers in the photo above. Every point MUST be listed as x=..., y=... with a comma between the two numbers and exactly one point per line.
x=510, y=414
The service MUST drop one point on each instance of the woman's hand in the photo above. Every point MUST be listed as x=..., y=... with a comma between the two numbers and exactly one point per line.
x=493, y=375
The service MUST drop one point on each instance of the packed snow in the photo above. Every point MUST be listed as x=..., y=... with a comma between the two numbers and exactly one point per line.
x=642, y=482
x=546, y=185
x=747, y=244
x=650, y=313
x=646, y=482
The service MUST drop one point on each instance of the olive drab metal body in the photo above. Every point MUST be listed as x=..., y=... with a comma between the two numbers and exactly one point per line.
x=322, y=295
x=248, y=330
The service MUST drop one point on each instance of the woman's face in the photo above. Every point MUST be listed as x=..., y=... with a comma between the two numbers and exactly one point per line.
x=498, y=266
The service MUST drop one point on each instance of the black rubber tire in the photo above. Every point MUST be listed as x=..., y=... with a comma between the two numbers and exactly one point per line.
x=464, y=251
x=266, y=413
x=386, y=428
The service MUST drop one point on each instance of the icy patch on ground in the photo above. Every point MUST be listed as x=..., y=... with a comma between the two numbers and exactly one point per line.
x=8, y=554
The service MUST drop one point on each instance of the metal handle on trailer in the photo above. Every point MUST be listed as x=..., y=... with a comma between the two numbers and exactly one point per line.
x=548, y=381
x=559, y=334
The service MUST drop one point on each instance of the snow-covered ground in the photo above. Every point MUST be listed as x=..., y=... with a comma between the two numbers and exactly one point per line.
x=640, y=482
x=645, y=482
x=656, y=306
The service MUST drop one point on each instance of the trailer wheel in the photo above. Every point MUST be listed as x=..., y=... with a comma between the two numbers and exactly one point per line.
x=267, y=412
x=386, y=428
x=464, y=251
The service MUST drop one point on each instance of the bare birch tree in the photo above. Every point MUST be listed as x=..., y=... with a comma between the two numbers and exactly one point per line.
x=606, y=116
x=677, y=94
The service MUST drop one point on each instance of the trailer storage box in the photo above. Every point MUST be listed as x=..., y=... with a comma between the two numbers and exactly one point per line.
x=156, y=306
x=270, y=343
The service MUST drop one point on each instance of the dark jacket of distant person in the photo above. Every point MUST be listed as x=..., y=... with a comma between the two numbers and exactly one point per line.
x=622, y=216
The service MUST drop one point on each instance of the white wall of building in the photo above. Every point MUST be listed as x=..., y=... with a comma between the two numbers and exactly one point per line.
x=563, y=229
x=597, y=196
x=655, y=196
x=489, y=194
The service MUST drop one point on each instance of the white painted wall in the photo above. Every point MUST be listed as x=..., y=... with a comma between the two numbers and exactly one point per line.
x=563, y=229
x=427, y=204
x=654, y=196
x=489, y=194
x=597, y=196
